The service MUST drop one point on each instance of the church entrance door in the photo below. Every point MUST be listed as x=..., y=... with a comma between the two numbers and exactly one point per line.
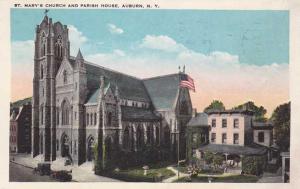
x=65, y=146
x=90, y=148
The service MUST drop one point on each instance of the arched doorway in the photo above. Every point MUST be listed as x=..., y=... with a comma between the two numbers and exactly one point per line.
x=65, y=146
x=90, y=148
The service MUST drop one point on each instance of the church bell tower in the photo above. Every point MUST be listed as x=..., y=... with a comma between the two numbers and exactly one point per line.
x=51, y=44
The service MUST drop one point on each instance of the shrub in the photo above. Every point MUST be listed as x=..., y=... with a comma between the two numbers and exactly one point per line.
x=253, y=165
x=208, y=157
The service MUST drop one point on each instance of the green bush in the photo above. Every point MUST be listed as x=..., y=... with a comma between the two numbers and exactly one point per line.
x=253, y=165
x=208, y=157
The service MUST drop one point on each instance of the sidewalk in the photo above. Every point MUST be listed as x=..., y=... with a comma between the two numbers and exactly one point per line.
x=172, y=179
x=82, y=173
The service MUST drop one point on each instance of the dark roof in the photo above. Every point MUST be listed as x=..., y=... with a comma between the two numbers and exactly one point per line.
x=252, y=149
x=212, y=111
x=138, y=114
x=163, y=90
x=94, y=94
x=262, y=125
x=201, y=119
x=130, y=87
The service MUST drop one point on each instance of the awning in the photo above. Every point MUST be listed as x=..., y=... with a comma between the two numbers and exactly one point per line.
x=235, y=149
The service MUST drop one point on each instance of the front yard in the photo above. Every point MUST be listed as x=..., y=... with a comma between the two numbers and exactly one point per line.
x=228, y=178
x=155, y=173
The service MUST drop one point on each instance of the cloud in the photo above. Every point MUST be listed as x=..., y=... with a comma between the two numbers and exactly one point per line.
x=22, y=69
x=77, y=39
x=162, y=42
x=114, y=29
x=218, y=75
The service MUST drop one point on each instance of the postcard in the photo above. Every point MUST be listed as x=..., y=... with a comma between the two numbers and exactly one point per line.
x=151, y=92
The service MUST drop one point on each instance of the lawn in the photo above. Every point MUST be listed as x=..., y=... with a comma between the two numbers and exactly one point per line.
x=223, y=178
x=155, y=173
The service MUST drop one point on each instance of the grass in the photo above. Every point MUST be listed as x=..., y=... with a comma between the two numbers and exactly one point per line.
x=155, y=173
x=227, y=178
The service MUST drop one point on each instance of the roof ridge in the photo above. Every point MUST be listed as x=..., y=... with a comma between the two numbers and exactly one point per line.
x=160, y=76
x=108, y=69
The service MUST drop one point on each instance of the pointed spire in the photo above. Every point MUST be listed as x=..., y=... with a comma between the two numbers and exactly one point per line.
x=79, y=55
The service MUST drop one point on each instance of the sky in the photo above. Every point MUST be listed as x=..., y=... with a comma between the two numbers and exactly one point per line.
x=233, y=56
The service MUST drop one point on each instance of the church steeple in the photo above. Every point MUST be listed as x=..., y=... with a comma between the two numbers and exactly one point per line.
x=79, y=55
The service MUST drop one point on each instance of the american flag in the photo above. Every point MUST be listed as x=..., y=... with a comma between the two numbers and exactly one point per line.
x=187, y=82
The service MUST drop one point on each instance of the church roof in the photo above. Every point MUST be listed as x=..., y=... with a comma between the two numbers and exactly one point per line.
x=94, y=94
x=138, y=114
x=163, y=90
x=129, y=87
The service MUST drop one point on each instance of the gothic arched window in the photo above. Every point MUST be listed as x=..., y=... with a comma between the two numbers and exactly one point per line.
x=65, y=77
x=95, y=118
x=157, y=135
x=43, y=44
x=65, y=112
x=87, y=119
x=167, y=136
x=139, y=137
x=109, y=119
x=58, y=47
x=42, y=71
x=126, y=142
x=149, y=135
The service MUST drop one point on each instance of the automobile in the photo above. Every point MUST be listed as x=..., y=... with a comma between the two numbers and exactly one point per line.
x=42, y=169
x=62, y=176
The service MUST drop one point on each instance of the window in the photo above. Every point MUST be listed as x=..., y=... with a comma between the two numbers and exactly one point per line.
x=109, y=119
x=75, y=115
x=65, y=112
x=224, y=123
x=148, y=131
x=213, y=122
x=95, y=118
x=91, y=117
x=65, y=77
x=87, y=119
x=261, y=137
x=213, y=137
x=58, y=47
x=224, y=138
x=42, y=71
x=43, y=44
x=236, y=123
x=235, y=138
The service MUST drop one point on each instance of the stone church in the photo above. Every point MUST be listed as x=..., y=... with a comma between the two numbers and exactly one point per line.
x=77, y=104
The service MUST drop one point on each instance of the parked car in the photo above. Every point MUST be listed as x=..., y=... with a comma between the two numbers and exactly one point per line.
x=62, y=176
x=42, y=169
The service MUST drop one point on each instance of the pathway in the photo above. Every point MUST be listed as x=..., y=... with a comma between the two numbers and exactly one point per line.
x=172, y=179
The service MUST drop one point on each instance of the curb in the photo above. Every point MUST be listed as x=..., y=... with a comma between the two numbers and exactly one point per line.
x=21, y=164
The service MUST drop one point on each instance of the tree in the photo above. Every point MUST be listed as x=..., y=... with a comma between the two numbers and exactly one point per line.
x=281, y=122
x=259, y=111
x=218, y=160
x=208, y=157
x=215, y=105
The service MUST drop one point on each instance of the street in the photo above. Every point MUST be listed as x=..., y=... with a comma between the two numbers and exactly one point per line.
x=19, y=173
